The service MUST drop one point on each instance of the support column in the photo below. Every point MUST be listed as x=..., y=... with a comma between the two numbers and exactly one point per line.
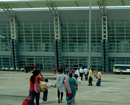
x=14, y=47
x=58, y=45
x=89, y=54
x=57, y=34
x=104, y=41
x=105, y=52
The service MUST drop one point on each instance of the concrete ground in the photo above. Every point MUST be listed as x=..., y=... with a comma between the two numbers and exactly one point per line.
x=114, y=89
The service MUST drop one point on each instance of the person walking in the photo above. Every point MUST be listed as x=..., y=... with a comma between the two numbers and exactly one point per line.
x=71, y=88
x=45, y=92
x=95, y=73
x=90, y=78
x=76, y=78
x=54, y=70
x=99, y=75
x=81, y=71
x=86, y=71
x=67, y=70
x=32, y=91
x=77, y=72
x=60, y=85
x=72, y=71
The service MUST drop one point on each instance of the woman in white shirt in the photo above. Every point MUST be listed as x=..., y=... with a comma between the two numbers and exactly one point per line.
x=60, y=85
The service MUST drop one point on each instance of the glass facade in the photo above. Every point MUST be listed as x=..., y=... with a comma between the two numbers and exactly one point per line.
x=75, y=36
x=75, y=62
x=39, y=37
x=119, y=41
x=5, y=36
x=36, y=36
x=5, y=61
x=119, y=36
x=42, y=63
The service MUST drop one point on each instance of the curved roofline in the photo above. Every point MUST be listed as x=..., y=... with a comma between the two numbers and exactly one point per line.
x=68, y=8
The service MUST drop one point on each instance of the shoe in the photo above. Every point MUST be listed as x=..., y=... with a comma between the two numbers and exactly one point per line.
x=58, y=100
x=61, y=101
x=45, y=102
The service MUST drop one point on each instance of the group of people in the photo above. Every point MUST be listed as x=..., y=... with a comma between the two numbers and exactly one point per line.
x=63, y=84
x=62, y=87
x=88, y=75
x=86, y=72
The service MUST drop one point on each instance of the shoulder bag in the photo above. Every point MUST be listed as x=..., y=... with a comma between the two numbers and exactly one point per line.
x=38, y=86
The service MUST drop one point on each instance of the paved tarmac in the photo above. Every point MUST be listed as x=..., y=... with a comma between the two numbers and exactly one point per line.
x=114, y=89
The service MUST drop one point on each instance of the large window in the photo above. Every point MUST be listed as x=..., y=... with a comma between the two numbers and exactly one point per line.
x=75, y=36
x=5, y=61
x=5, y=36
x=119, y=36
x=75, y=62
x=41, y=63
x=36, y=36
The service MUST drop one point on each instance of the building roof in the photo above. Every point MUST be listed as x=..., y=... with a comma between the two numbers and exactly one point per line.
x=61, y=3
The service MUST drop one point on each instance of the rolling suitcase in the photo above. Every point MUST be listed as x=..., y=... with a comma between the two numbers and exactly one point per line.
x=98, y=82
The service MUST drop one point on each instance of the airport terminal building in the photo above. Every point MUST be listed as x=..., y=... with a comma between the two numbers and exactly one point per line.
x=35, y=42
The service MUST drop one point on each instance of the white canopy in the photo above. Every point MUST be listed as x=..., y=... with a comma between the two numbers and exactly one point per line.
x=61, y=3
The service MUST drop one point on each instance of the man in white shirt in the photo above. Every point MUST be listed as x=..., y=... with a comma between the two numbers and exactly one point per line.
x=86, y=73
x=77, y=72
x=81, y=71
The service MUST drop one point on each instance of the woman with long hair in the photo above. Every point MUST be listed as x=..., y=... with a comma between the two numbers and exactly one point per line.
x=33, y=79
x=71, y=86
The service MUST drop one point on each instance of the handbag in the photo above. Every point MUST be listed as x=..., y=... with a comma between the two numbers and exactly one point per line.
x=79, y=79
x=38, y=87
x=26, y=101
x=69, y=94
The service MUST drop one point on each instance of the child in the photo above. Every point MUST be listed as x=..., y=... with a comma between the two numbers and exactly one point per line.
x=45, y=92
